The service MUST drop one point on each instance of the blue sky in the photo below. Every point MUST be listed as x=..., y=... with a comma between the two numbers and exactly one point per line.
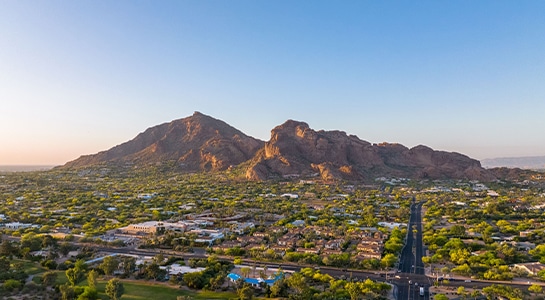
x=78, y=77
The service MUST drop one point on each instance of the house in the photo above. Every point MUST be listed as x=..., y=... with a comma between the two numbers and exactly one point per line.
x=207, y=236
x=152, y=227
x=280, y=249
x=176, y=269
x=256, y=246
x=333, y=244
x=298, y=223
x=146, y=196
x=367, y=255
x=525, y=233
x=17, y=225
x=523, y=246
x=532, y=268
x=245, y=240
x=371, y=241
x=287, y=241
x=369, y=248
x=291, y=196
x=392, y=225
x=227, y=245
x=308, y=250
x=331, y=251
x=261, y=234
x=240, y=228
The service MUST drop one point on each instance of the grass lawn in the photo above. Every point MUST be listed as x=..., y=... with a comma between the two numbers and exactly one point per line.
x=134, y=290
x=147, y=290
x=30, y=267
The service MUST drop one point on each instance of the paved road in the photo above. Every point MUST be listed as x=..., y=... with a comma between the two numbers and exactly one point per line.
x=411, y=269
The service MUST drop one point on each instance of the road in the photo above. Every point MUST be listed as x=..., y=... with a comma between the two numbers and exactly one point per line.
x=411, y=269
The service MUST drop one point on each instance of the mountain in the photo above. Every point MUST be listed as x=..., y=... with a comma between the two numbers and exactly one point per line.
x=296, y=149
x=202, y=143
x=528, y=162
x=196, y=143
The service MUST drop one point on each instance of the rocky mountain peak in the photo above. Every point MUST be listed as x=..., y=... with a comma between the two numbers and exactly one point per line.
x=203, y=143
x=196, y=143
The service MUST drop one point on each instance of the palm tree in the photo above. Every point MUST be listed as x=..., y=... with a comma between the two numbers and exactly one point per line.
x=245, y=271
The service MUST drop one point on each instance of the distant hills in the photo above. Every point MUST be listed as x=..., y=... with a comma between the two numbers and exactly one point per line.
x=200, y=143
x=24, y=168
x=528, y=162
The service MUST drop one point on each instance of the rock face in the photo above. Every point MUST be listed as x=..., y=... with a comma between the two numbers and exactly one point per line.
x=202, y=143
x=295, y=149
x=197, y=143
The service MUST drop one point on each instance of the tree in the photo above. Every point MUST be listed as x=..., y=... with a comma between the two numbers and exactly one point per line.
x=7, y=249
x=279, y=288
x=49, y=241
x=461, y=291
x=109, y=265
x=129, y=265
x=67, y=292
x=353, y=289
x=12, y=284
x=114, y=289
x=245, y=292
x=458, y=230
x=388, y=260
x=440, y=297
x=298, y=285
x=159, y=258
x=74, y=276
x=92, y=279
x=194, y=280
x=65, y=248
x=89, y=293
x=217, y=281
x=245, y=271
x=535, y=288
x=49, y=278
x=475, y=294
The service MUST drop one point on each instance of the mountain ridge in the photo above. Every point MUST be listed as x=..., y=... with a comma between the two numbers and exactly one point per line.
x=201, y=143
x=522, y=162
x=197, y=143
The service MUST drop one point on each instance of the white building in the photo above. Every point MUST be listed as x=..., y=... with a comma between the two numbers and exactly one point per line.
x=152, y=227
x=17, y=225
x=291, y=196
x=176, y=269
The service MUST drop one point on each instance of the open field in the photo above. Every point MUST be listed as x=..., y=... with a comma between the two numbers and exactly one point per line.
x=147, y=290
x=31, y=268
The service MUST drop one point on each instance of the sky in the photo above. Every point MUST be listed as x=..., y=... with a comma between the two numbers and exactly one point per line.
x=79, y=77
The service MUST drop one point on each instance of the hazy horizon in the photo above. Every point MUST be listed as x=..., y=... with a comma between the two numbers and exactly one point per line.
x=81, y=77
x=25, y=168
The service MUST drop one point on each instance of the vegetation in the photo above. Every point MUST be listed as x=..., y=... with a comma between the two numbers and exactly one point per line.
x=469, y=231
